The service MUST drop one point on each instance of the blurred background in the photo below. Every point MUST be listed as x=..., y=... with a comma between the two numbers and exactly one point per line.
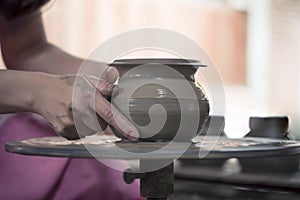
x=254, y=44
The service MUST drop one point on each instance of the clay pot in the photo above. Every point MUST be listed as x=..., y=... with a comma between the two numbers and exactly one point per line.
x=156, y=94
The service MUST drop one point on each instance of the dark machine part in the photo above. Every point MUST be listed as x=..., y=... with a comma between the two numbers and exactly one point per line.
x=154, y=185
x=270, y=127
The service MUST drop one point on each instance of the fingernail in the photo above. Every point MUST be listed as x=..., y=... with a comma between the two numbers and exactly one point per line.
x=112, y=74
x=109, y=69
x=133, y=135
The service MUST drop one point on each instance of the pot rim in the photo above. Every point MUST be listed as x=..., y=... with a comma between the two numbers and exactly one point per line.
x=161, y=61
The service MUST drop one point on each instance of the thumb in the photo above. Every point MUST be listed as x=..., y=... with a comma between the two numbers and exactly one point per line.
x=111, y=75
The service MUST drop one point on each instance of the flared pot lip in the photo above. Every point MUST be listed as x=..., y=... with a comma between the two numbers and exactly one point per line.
x=150, y=100
x=161, y=61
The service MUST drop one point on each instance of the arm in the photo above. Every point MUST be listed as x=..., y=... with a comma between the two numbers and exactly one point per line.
x=18, y=96
x=25, y=47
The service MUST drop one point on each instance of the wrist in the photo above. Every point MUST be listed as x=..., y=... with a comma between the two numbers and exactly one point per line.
x=20, y=90
x=38, y=91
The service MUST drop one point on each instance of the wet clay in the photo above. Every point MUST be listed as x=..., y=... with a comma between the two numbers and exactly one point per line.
x=160, y=97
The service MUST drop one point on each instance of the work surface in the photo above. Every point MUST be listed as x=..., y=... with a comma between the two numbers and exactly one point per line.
x=102, y=146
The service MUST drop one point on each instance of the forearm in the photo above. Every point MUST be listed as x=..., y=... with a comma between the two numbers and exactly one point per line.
x=25, y=47
x=17, y=90
x=47, y=58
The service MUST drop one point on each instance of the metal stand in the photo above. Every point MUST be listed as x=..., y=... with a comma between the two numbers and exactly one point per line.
x=155, y=185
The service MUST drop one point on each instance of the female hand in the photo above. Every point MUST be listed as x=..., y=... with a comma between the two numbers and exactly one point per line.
x=56, y=101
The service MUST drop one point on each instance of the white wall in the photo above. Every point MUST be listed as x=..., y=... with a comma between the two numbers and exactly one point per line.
x=273, y=57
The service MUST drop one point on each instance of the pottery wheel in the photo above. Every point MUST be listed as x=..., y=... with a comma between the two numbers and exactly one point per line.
x=104, y=147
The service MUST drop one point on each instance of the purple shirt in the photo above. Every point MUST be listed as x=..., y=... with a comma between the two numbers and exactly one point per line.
x=33, y=177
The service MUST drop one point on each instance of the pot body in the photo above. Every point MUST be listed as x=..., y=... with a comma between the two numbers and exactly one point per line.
x=160, y=97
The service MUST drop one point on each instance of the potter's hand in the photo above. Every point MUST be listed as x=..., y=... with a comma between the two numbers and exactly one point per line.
x=54, y=102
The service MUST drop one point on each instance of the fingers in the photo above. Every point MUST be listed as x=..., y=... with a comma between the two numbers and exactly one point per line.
x=111, y=75
x=104, y=87
x=107, y=111
x=70, y=133
x=108, y=131
x=90, y=86
x=66, y=127
x=115, y=118
x=87, y=123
